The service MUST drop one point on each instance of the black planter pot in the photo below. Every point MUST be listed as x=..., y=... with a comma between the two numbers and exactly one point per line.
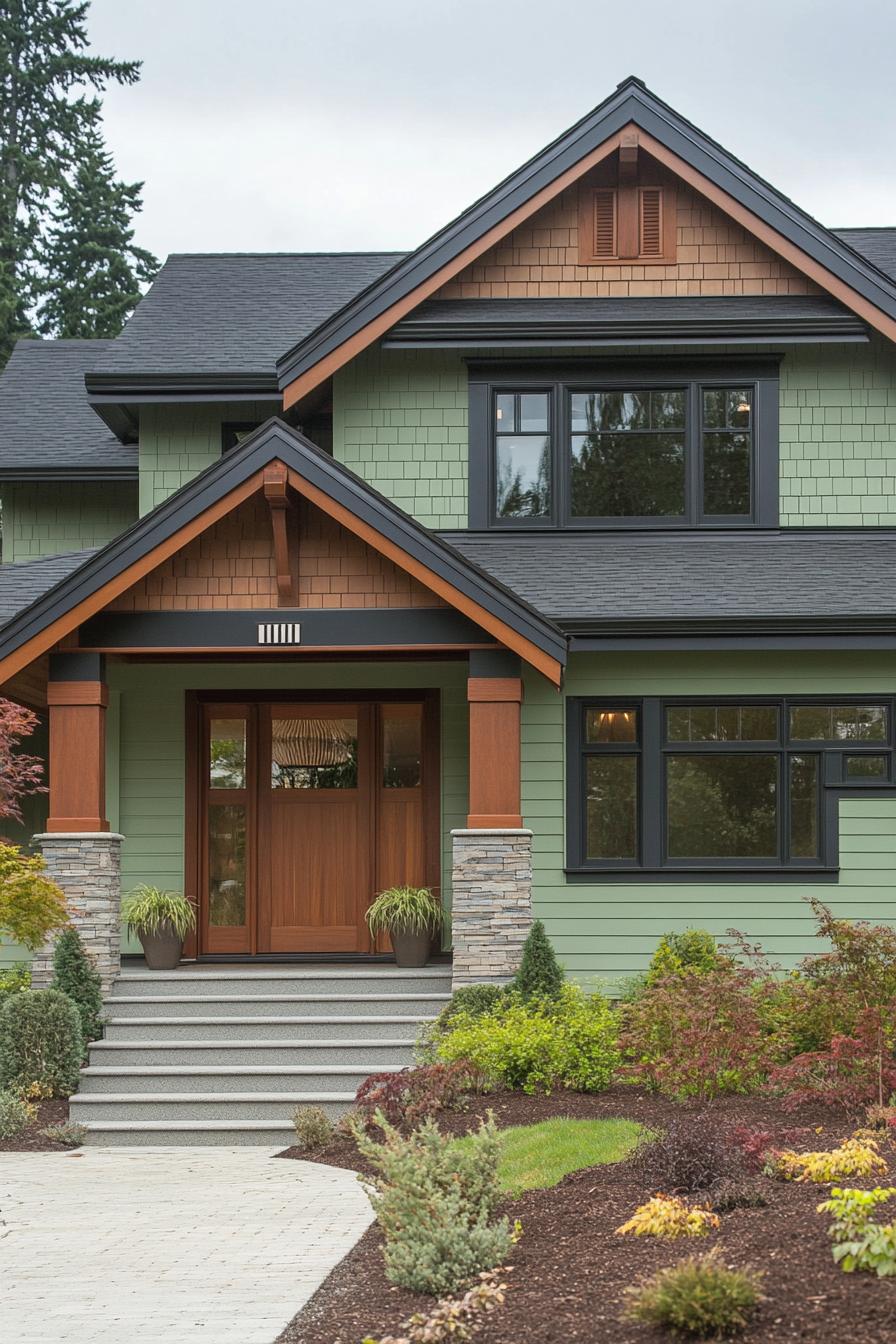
x=163, y=948
x=411, y=949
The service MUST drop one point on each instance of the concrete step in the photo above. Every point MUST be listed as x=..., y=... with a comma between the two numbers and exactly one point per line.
x=170, y=1027
x=147, y=1080
x=221, y=1107
x=190, y=1133
x=272, y=1005
x=267, y=980
x=369, y=1054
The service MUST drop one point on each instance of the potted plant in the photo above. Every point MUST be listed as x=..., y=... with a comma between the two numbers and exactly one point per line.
x=411, y=916
x=161, y=920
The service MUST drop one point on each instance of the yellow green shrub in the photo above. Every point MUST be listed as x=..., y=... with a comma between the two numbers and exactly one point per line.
x=858, y=1156
x=668, y=1217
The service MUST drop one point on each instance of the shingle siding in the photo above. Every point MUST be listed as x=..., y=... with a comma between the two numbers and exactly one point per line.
x=52, y=517
x=178, y=442
x=838, y=436
x=400, y=421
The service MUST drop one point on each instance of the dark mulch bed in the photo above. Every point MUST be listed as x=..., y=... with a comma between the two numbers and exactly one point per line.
x=569, y=1270
x=31, y=1140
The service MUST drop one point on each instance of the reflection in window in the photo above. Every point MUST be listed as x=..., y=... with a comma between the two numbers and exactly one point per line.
x=727, y=451
x=226, y=865
x=804, y=807
x=866, y=767
x=227, y=754
x=627, y=454
x=839, y=723
x=722, y=723
x=522, y=455
x=309, y=753
x=611, y=807
x=402, y=746
x=611, y=725
x=722, y=806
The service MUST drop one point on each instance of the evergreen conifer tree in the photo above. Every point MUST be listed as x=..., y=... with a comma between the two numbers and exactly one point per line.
x=75, y=975
x=540, y=975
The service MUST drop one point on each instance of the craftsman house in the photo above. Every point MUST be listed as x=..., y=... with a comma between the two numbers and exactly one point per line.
x=549, y=565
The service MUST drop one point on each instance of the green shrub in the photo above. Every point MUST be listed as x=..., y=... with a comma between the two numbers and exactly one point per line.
x=540, y=1045
x=435, y=1201
x=692, y=950
x=699, y=1297
x=74, y=974
x=14, y=979
x=859, y=1241
x=67, y=1132
x=40, y=1042
x=540, y=975
x=313, y=1127
x=15, y=1114
x=31, y=904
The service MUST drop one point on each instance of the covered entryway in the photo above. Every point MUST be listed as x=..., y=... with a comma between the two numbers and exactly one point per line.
x=306, y=807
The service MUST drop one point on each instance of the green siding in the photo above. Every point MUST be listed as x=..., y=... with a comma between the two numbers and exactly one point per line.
x=177, y=442
x=146, y=747
x=606, y=931
x=400, y=421
x=838, y=436
x=49, y=518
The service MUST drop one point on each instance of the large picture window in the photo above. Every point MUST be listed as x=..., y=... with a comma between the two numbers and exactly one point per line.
x=671, y=786
x=608, y=447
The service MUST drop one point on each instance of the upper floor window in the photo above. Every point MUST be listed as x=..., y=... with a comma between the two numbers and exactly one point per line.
x=696, y=449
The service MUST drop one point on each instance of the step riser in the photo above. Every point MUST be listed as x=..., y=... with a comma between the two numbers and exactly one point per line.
x=199, y=1138
x=144, y=1084
x=221, y=1110
x=219, y=1029
x=368, y=1055
x=279, y=1006
x=393, y=982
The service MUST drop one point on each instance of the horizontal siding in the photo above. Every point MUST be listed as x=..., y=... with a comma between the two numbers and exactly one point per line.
x=604, y=932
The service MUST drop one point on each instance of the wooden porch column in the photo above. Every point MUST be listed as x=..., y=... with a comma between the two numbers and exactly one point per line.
x=77, y=698
x=494, y=704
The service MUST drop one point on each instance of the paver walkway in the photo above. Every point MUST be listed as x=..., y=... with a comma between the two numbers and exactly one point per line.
x=128, y=1245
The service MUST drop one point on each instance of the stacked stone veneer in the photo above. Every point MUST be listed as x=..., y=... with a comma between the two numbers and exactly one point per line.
x=88, y=869
x=491, y=904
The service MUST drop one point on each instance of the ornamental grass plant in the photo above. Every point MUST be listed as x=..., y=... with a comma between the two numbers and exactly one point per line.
x=149, y=909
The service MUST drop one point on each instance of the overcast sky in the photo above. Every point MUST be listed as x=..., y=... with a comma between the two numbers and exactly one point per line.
x=316, y=125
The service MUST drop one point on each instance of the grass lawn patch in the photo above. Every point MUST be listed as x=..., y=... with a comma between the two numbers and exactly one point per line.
x=534, y=1157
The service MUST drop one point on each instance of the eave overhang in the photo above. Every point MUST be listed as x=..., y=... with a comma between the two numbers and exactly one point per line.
x=774, y=632
x=669, y=139
x=117, y=397
x=75, y=473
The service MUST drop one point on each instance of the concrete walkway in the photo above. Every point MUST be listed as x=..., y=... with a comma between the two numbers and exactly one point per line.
x=131, y=1245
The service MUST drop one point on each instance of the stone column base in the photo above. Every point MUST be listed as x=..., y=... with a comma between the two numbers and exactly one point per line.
x=87, y=866
x=491, y=904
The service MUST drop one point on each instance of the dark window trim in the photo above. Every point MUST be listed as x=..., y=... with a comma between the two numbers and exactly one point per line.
x=486, y=378
x=653, y=750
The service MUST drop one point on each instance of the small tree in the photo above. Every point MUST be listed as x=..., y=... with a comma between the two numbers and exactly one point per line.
x=75, y=975
x=540, y=975
x=40, y=1042
x=31, y=905
x=20, y=774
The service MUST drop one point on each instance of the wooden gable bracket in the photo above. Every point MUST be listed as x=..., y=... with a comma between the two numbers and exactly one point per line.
x=627, y=221
x=284, y=525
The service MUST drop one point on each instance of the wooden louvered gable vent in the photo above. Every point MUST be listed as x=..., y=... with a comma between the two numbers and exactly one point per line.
x=651, y=221
x=605, y=223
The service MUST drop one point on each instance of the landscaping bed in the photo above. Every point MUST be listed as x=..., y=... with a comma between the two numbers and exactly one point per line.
x=569, y=1270
x=31, y=1140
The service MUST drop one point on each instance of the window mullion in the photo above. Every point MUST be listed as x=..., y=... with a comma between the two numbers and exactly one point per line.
x=694, y=448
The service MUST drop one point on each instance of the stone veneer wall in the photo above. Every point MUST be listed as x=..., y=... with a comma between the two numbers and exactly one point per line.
x=88, y=869
x=491, y=912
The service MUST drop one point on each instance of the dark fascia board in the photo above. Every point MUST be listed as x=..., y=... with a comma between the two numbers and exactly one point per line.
x=117, y=397
x=413, y=335
x=85, y=473
x=631, y=102
x=274, y=439
x=828, y=632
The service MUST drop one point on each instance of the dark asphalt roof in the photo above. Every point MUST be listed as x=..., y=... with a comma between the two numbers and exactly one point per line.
x=876, y=245
x=236, y=312
x=637, y=576
x=22, y=584
x=45, y=419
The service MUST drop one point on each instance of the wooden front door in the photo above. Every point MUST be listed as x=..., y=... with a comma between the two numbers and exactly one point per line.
x=310, y=807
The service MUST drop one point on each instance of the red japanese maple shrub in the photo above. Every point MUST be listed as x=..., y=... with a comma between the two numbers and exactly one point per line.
x=412, y=1095
x=20, y=774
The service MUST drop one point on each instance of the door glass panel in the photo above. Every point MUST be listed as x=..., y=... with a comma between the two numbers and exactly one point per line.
x=314, y=753
x=722, y=806
x=227, y=754
x=226, y=864
x=402, y=746
x=804, y=807
x=611, y=807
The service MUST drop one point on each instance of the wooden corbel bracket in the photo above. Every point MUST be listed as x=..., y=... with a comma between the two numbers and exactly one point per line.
x=284, y=528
